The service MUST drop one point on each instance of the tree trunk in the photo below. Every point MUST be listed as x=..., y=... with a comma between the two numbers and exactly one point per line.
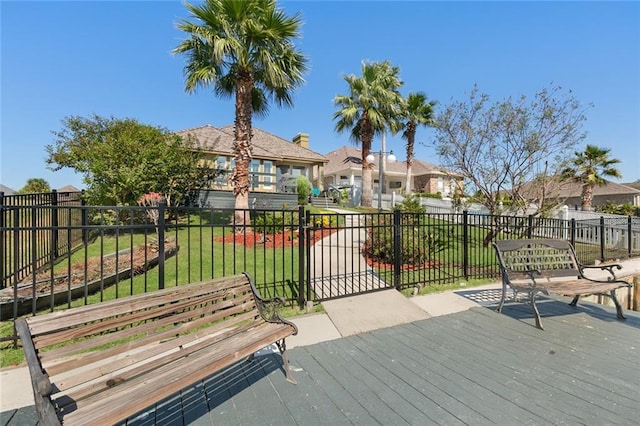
x=366, y=135
x=242, y=151
x=411, y=134
x=587, y=197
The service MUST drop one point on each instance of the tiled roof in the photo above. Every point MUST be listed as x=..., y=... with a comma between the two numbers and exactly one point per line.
x=68, y=188
x=634, y=185
x=569, y=189
x=265, y=145
x=6, y=190
x=347, y=157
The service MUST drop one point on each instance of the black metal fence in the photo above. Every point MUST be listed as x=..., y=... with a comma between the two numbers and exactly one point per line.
x=294, y=254
x=35, y=228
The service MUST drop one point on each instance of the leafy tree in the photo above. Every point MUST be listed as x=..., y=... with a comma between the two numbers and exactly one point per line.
x=416, y=112
x=35, y=186
x=121, y=159
x=589, y=168
x=372, y=105
x=504, y=146
x=243, y=49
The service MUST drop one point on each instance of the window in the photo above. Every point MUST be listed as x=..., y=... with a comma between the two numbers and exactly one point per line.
x=254, y=173
x=395, y=185
x=267, y=169
x=299, y=170
x=222, y=178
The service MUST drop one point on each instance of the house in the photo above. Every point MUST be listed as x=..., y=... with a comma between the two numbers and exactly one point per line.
x=6, y=190
x=610, y=191
x=569, y=192
x=276, y=162
x=345, y=168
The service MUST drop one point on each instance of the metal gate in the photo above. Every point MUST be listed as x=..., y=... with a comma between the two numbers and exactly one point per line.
x=335, y=262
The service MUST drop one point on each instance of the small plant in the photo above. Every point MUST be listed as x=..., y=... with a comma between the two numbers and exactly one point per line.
x=419, y=243
x=321, y=221
x=304, y=189
x=344, y=197
x=411, y=204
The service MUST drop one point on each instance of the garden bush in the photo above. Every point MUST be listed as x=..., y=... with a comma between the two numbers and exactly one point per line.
x=419, y=244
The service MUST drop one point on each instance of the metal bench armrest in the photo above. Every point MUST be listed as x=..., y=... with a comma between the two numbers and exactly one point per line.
x=608, y=267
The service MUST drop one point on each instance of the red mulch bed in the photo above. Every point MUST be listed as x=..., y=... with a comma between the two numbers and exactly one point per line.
x=283, y=239
x=382, y=266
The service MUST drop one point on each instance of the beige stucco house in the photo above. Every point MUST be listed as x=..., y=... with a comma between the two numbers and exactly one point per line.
x=276, y=161
x=345, y=168
x=569, y=192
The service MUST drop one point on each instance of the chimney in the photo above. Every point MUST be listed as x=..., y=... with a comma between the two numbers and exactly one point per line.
x=302, y=139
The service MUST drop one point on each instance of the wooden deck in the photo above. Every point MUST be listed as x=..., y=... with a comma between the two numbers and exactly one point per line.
x=474, y=367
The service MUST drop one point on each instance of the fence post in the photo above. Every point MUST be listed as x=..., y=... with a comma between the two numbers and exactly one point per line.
x=629, y=246
x=84, y=219
x=307, y=220
x=602, y=239
x=161, y=224
x=54, y=223
x=465, y=244
x=397, y=249
x=2, y=240
x=530, y=226
x=302, y=247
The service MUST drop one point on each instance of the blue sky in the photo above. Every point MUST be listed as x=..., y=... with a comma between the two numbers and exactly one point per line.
x=62, y=59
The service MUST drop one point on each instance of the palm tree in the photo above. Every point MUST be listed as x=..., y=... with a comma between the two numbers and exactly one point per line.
x=243, y=48
x=370, y=107
x=589, y=168
x=417, y=111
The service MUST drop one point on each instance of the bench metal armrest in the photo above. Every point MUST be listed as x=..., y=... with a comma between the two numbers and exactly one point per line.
x=40, y=380
x=608, y=267
x=269, y=308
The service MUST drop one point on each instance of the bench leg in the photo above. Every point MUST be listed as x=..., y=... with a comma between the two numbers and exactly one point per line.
x=574, y=302
x=282, y=347
x=532, y=296
x=502, y=297
x=619, y=314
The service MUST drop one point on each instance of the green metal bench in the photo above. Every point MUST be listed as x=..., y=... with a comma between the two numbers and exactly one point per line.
x=550, y=267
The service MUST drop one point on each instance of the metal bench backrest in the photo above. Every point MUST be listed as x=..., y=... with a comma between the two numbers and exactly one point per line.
x=552, y=258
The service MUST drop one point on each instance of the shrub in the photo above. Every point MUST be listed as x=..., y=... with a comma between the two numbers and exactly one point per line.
x=304, y=189
x=411, y=204
x=274, y=222
x=321, y=221
x=418, y=243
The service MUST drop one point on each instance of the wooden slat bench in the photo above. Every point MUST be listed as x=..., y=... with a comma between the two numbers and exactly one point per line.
x=550, y=267
x=102, y=363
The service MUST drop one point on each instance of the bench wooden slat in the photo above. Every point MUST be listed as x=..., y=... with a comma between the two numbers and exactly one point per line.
x=166, y=381
x=101, y=323
x=545, y=265
x=132, y=352
x=81, y=348
x=82, y=314
x=107, y=361
x=123, y=366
